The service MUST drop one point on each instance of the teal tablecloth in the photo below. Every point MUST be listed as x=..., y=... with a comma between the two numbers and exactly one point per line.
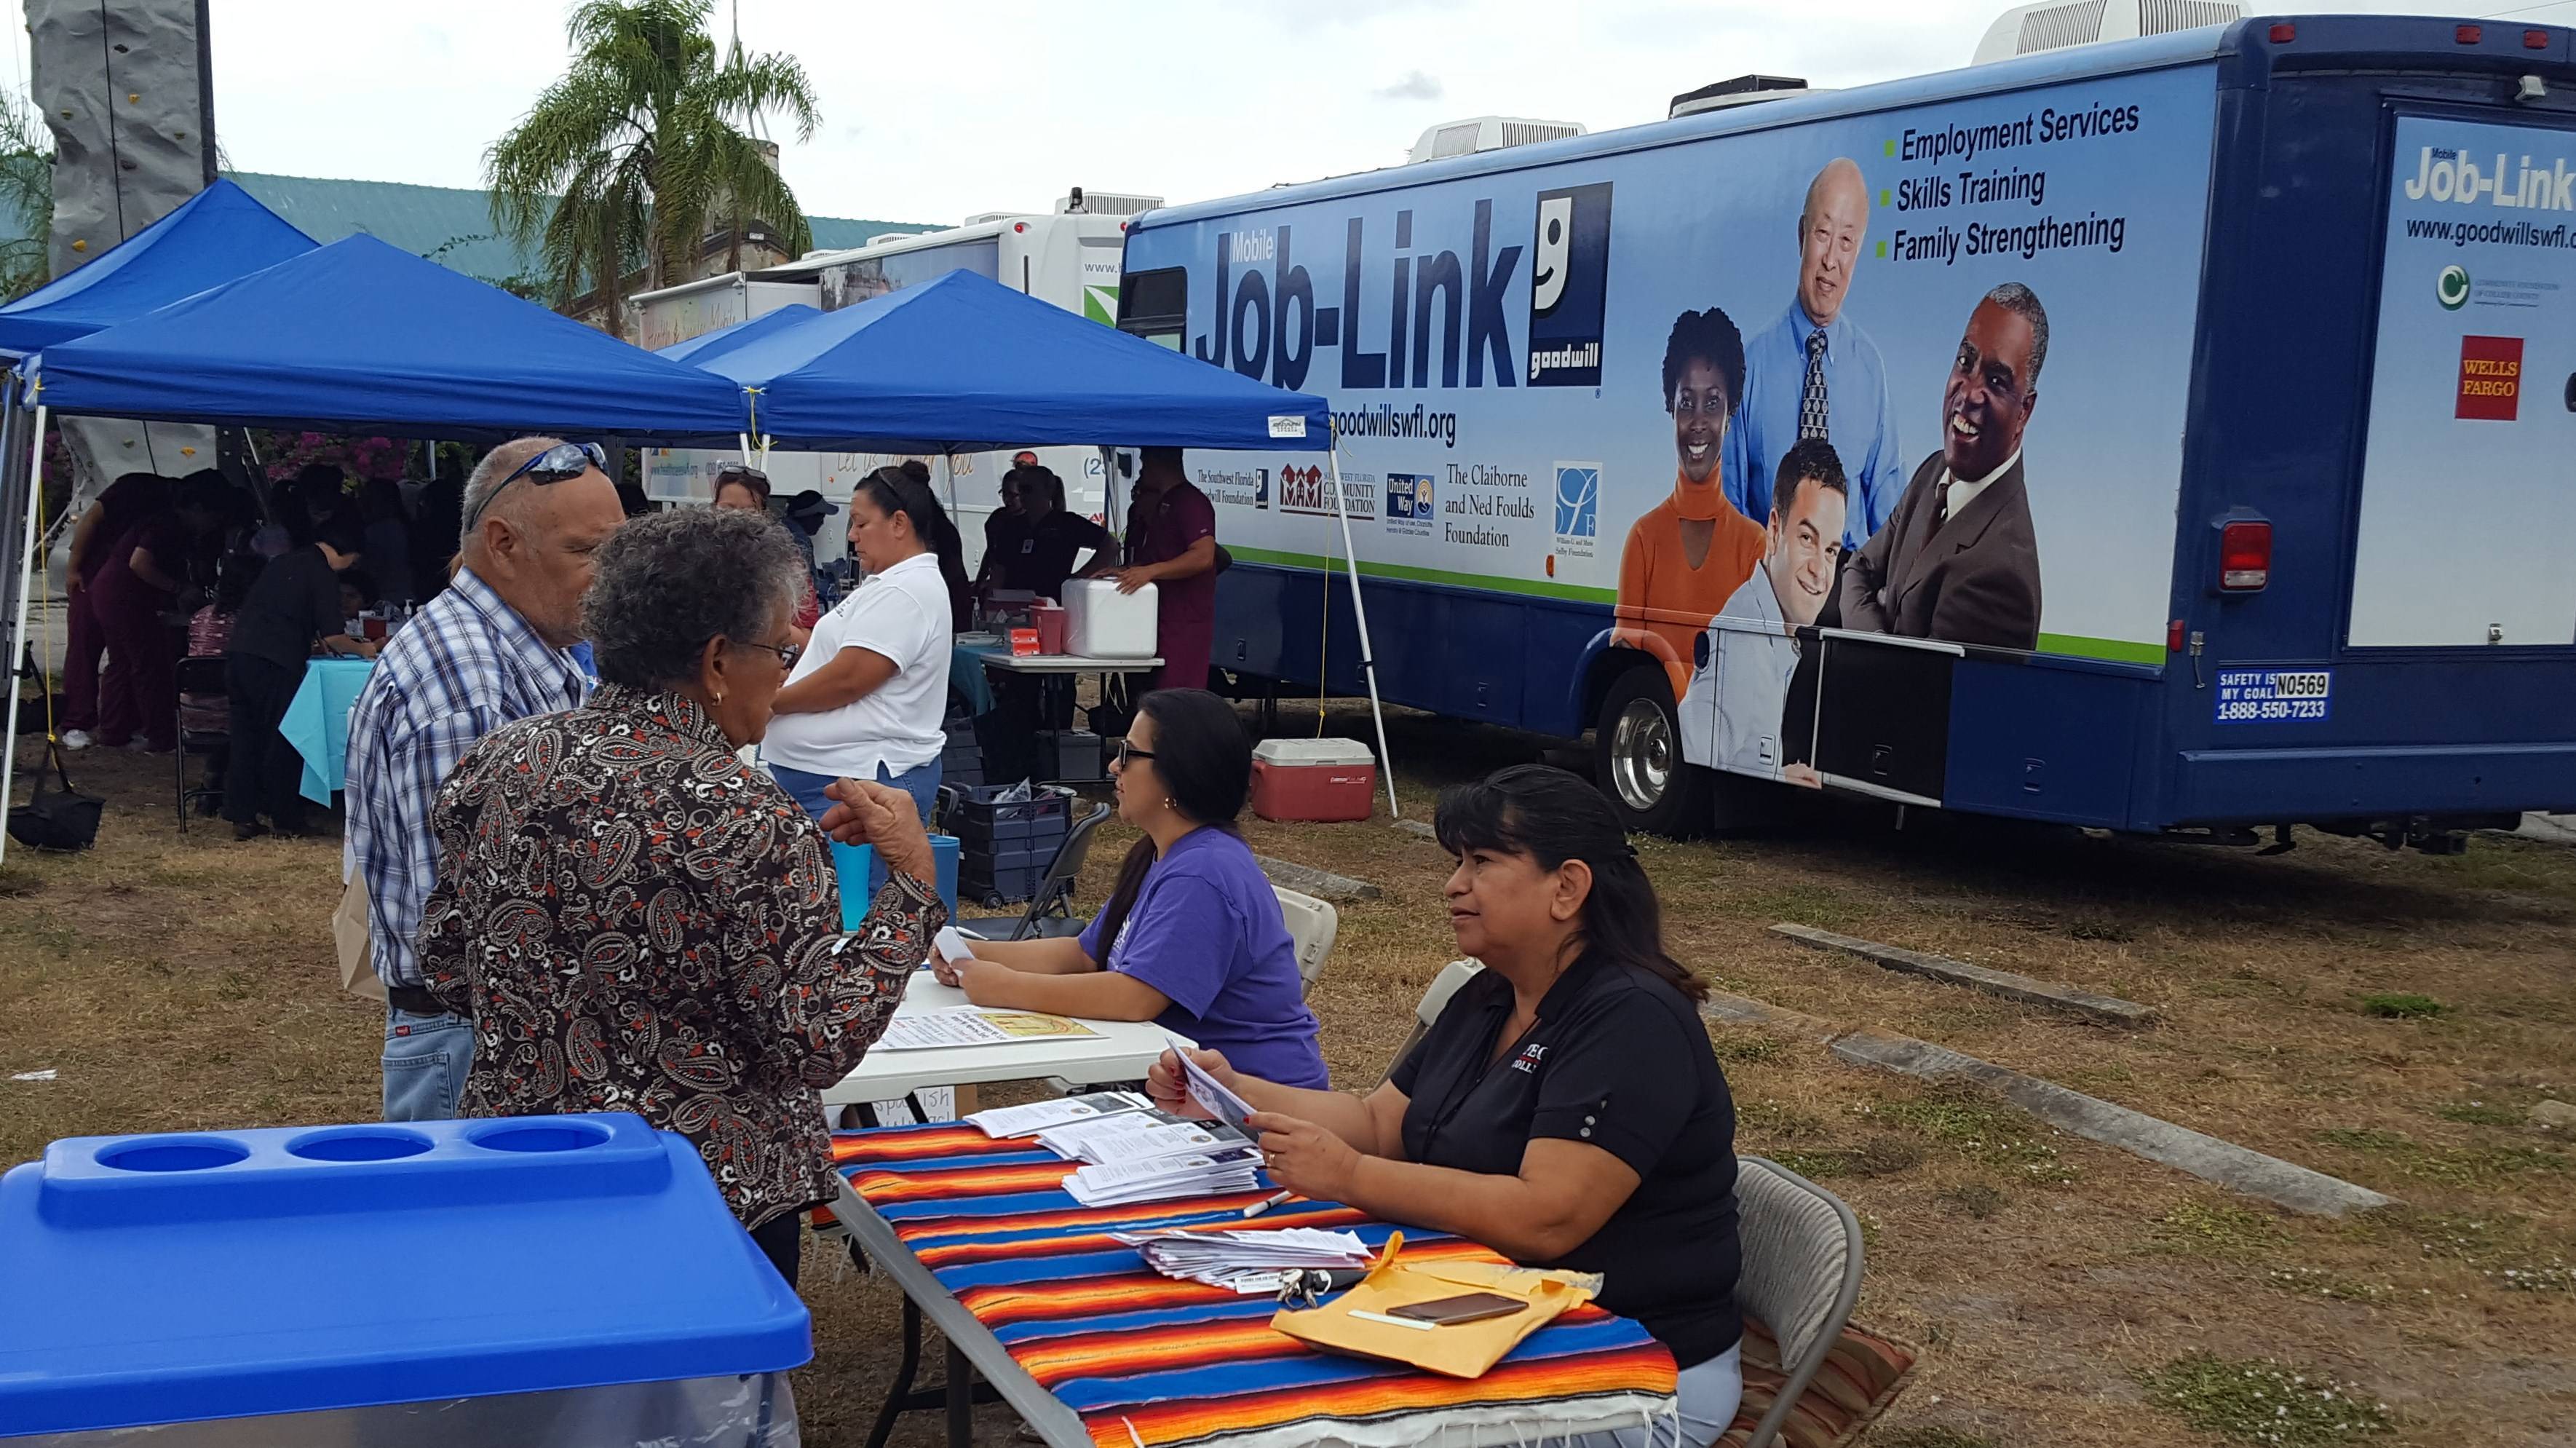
x=317, y=722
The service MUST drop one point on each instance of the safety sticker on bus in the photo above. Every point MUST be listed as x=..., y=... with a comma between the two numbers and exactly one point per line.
x=2275, y=696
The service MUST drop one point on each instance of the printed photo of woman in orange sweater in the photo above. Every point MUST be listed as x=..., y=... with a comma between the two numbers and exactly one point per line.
x=1689, y=554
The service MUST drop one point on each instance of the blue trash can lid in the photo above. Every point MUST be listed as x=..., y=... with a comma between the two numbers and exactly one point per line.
x=171, y=1279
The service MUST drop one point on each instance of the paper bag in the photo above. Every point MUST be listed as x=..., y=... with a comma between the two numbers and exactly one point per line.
x=349, y=933
x=1459, y=1350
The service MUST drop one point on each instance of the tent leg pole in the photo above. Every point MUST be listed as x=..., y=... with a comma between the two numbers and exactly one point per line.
x=27, y=578
x=1359, y=611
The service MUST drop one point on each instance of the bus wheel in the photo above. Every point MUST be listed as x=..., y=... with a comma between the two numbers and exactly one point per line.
x=1637, y=757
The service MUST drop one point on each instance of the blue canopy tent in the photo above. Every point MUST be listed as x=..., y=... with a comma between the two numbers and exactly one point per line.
x=213, y=237
x=962, y=363
x=965, y=364
x=360, y=337
x=700, y=349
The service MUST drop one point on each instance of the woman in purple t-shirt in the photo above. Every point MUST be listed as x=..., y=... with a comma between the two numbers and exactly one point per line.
x=1191, y=938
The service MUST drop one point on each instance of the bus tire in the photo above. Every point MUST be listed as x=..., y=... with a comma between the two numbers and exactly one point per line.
x=1637, y=757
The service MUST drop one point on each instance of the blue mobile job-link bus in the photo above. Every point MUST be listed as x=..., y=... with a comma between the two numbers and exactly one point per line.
x=2175, y=434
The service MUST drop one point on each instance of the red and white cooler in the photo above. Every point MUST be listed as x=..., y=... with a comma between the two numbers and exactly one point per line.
x=1313, y=779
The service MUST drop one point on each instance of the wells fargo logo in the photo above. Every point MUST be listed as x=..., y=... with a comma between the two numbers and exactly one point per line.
x=2490, y=378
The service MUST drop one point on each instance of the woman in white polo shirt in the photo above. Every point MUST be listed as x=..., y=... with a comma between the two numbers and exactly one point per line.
x=866, y=699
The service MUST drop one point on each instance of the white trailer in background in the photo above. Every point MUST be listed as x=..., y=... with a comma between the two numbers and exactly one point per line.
x=1069, y=257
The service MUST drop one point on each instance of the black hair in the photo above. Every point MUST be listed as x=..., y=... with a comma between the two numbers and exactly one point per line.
x=894, y=490
x=2022, y=302
x=342, y=530
x=1204, y=759
x=1552, y=817
x=915, y=469
x=361, y=580
x=1807, y=458
x=320, y=483
x=1040, y=479
x=1711, y=337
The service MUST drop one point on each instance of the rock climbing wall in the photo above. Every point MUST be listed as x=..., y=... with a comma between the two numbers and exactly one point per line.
x=119, y=85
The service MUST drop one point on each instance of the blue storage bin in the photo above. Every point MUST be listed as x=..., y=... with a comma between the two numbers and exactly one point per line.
x=547, y=1282
x=852, y=863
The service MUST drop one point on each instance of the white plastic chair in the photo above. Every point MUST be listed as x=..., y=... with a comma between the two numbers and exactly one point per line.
x=1435, y=1000
x=1312, y=927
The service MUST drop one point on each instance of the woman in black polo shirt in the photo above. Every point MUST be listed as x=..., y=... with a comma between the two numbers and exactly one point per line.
x=1566, y=1108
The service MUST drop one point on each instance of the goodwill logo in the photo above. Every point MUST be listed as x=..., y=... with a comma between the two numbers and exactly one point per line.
x=1569, y=284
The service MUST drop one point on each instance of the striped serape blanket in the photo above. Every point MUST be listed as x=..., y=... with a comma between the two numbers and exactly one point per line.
x=1147, y=1361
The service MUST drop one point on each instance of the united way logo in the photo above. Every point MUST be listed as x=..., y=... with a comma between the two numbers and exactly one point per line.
x=1569, y=284
x=1408, y=496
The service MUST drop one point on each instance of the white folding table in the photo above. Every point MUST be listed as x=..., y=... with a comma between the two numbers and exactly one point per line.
x=1122, y=1051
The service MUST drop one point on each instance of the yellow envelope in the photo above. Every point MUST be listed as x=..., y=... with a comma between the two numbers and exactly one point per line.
x=1460, y=1349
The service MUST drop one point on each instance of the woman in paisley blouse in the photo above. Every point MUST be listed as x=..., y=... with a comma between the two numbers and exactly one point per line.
x=636, y=920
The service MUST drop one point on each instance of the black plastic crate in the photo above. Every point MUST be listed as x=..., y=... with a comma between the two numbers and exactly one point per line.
x=1003, y=886
x=1070, y=754
x=1040, y=821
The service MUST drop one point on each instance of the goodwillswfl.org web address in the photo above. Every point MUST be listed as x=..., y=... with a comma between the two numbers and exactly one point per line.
x=2493, y=233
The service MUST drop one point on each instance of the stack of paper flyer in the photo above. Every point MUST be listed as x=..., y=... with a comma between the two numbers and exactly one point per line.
x=1039, y=1117
x=1245, y=1261
x=1165, y=1178
x=1131, y=1150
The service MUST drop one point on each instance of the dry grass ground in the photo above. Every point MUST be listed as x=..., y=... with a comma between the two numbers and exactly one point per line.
x=2062, y=1292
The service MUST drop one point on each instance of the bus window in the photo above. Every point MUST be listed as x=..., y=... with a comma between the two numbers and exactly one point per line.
x=1155, y=305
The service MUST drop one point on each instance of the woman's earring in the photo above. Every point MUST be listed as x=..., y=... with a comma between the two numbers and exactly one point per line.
x=1167, y=801
x=719, y=698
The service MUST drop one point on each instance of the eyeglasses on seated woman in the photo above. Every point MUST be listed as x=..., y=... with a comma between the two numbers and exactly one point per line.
x=1566, y=1109
x=635, y=920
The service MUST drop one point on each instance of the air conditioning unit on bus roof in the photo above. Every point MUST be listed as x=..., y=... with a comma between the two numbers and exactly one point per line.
x=2056, y=24
x=1079, y=202
x=1741, y=91
x=1487, y=133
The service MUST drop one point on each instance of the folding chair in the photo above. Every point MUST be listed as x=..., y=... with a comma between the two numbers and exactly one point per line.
x=1800, y=1278
x=1312, y=927
x=1049, y=912
x=1435, y=1000
x=202, y=677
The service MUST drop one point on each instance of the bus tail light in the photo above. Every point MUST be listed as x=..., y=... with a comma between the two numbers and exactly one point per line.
x=2244, y=556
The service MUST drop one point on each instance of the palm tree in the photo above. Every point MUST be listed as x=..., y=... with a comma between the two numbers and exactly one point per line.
x=640, y=150
x=26, y=194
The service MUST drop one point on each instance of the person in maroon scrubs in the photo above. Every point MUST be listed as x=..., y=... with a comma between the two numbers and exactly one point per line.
x=1171, y=543
x=134, y=596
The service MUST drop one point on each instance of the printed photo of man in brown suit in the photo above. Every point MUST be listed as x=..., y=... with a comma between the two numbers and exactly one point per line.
x=1959, y=561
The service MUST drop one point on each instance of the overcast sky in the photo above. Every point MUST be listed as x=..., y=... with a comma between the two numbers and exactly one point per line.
x=934, y=111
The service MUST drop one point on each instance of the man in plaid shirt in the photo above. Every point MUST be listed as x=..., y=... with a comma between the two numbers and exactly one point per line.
x=493, y=648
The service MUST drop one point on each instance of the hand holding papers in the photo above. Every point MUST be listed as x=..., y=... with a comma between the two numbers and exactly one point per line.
x=1211, y=1095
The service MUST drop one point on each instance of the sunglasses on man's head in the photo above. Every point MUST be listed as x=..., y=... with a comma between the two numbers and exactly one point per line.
x=554, y=465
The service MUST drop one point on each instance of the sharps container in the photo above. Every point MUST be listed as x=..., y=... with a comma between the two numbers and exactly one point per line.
x=541, y=1282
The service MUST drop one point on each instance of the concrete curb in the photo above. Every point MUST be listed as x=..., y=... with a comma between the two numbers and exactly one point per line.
x=1746, y=1011
x=2105, y=1010
x=1322, y=884
x=2203, y=1156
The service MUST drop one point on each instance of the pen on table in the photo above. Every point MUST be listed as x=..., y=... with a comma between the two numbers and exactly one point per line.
x=1265, y=1204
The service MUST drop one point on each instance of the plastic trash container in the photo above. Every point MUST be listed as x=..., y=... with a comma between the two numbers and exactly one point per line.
x=544, y=1282
x=852, y=863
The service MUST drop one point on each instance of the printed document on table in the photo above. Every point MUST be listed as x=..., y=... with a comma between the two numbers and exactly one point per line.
x=975, y=1027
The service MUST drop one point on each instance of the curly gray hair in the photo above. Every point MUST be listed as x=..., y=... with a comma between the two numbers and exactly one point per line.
x=668, y=582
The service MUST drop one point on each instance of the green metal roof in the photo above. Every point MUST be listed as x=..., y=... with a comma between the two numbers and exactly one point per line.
x=450, y=224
